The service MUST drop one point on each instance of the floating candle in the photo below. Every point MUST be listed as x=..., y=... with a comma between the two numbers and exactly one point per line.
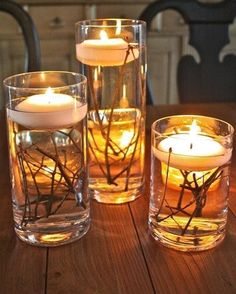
x=48, y=110
x=186, y=152
x=192, y=151
x=105, y=51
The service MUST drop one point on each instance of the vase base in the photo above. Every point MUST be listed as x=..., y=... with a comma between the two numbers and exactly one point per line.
x=186, y=243
x=56, y=236
x=116, y=197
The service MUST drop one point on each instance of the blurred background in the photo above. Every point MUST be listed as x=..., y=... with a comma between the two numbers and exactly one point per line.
x=55, y=20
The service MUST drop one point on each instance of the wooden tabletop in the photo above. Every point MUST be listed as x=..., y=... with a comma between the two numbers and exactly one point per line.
x=118, y=255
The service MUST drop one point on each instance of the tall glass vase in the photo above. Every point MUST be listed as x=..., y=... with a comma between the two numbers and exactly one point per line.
x=112, y=54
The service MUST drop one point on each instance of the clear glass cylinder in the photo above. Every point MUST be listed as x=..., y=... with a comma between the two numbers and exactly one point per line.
x=190, y=165
x=47, y=135
x=112, y=54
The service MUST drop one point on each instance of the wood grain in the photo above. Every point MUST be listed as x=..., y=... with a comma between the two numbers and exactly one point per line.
x=107, y=260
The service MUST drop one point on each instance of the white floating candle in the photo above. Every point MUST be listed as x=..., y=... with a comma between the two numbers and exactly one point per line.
x=48, y=111
x=198, y=152
x=105, y=51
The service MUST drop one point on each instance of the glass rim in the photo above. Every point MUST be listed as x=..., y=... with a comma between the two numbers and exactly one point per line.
x=7, y=79
x=127, y=22
x=231, y=128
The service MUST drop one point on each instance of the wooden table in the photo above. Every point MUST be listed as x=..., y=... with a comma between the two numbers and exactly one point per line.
x=117, y=255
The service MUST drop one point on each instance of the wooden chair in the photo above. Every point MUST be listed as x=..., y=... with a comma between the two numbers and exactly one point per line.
x=211, y=80
x=31, y=38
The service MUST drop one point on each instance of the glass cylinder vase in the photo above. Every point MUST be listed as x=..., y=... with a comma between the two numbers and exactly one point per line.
x=112, y=54
x=190, y=167
x=46, y=117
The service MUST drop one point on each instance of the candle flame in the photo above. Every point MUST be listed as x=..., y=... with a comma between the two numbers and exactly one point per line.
x=194, y=128
x=118, y=26
x=49, y=91
x=103, y=35
x=48, y=96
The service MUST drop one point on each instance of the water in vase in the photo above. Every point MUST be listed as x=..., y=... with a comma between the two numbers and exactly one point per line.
x=49, y=180
x=191, y=210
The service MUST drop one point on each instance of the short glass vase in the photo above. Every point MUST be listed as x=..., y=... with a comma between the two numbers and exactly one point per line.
x=190, y=165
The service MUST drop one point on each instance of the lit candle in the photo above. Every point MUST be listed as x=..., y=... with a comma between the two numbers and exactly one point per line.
x=105, y=51
x=49, y=110
x=203, y=153
x=191, y=151
x=196, y=153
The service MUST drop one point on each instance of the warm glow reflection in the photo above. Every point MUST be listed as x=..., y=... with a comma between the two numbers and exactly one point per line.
x=175, y=178
x=50, y=170
x=142, y=70
x=43, y=77
x=124, y=90
x=95, y=74
x=123, y=133
x=55, y=237
x=126, y=138
x=124, y=103
x=118, y=26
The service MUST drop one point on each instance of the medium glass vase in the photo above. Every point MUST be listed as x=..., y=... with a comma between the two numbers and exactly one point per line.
x=46, y=117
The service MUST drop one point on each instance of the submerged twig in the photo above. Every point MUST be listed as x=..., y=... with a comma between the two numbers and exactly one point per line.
x=199, y=187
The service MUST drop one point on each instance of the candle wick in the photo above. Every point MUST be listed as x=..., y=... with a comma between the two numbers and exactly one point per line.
x=191, y=145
